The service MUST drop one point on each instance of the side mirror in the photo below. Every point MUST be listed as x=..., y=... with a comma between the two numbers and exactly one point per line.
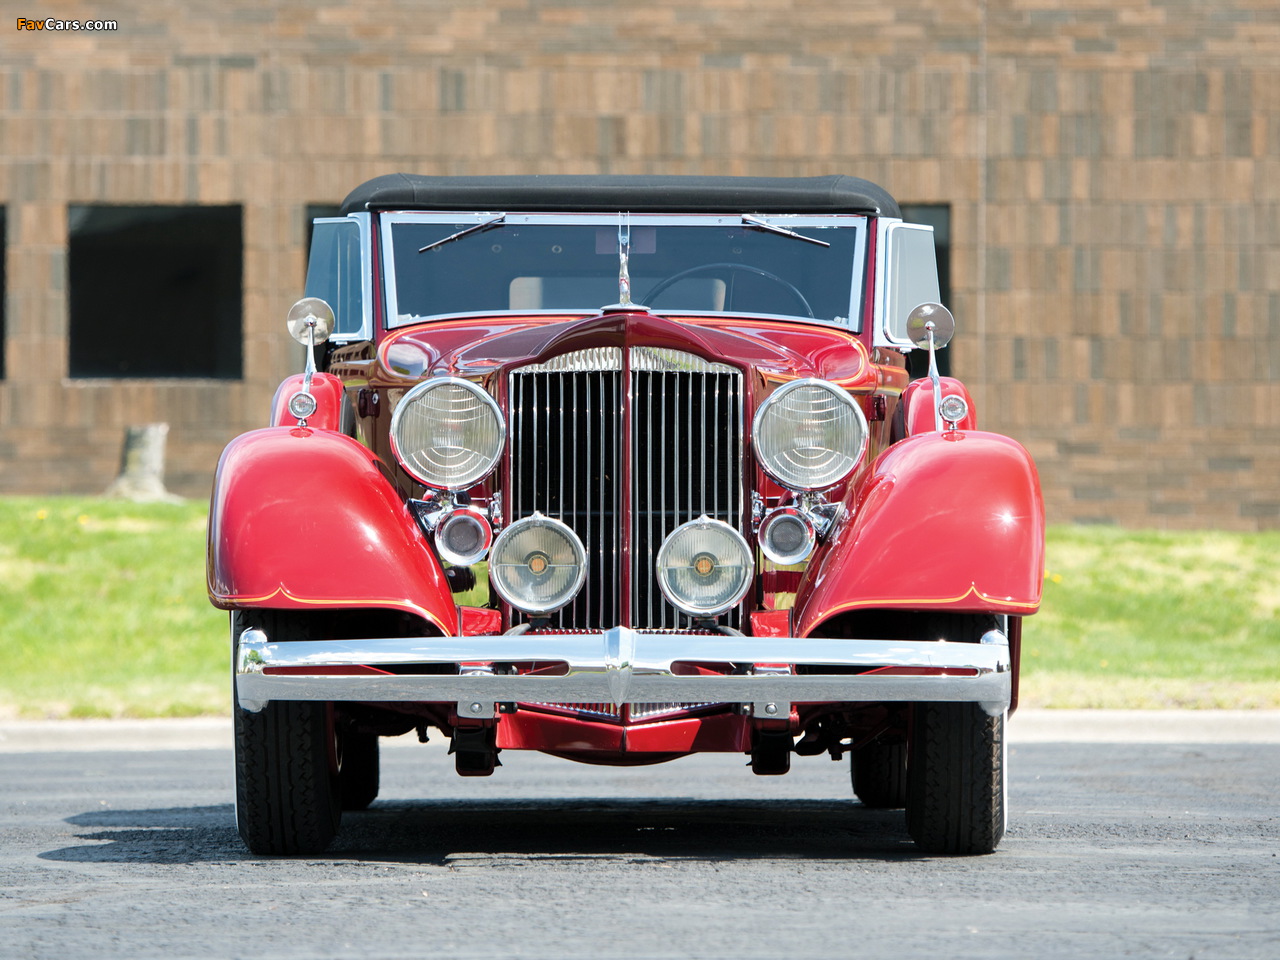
x=918, y=325
x=931, y=327
x=310, y=321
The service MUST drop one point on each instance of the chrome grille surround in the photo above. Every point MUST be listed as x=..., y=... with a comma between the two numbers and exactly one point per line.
x=685, y=422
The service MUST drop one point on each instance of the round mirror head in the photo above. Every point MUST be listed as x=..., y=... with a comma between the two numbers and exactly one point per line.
x=310, y=314
x=918, y=320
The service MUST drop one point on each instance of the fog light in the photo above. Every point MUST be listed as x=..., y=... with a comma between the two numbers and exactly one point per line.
x=463, y=537
x=538, y=564
x=786, y=536
x=704, y=567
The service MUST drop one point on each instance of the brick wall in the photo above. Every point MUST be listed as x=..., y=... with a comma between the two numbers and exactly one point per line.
x=1112, y=166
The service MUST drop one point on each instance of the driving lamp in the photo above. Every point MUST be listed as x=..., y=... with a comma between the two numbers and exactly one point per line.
x=704, y=567
x=537, y=564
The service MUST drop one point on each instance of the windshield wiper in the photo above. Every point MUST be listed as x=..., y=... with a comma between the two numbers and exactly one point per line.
x=759, y=224
x=496, y=221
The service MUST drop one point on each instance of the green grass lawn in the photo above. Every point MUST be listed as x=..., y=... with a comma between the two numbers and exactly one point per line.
x=106, y=615
x=105, y=611
x=1156, y=619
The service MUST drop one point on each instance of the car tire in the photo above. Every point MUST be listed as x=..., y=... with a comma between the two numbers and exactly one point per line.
x=287, y=787
x=359, y=769
x=956, y=779
x=956, y=759
x=879, y=773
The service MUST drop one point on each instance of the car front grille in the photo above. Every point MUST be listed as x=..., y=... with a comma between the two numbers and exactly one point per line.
x=582, y=422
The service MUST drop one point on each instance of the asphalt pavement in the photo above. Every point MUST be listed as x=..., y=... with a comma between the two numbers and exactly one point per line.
x=119, y=843
x=1027, y=726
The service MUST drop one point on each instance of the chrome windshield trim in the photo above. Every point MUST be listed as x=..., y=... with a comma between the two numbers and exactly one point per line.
x=840, y=323
x=470, y=221
x=624, y=666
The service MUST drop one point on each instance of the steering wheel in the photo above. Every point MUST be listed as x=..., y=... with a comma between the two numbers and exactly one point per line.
x=662, y=285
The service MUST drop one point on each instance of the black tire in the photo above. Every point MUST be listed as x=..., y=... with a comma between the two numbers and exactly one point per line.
x=359, y=769
x=956, y=802
x=879, y=773
x=287, y=788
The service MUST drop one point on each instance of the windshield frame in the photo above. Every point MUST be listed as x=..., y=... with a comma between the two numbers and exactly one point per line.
x=466, y=219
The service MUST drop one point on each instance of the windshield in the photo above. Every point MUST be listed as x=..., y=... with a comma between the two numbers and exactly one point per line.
x=447, y=264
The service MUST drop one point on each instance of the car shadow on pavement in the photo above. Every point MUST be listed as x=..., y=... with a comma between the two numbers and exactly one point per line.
x=442, y=831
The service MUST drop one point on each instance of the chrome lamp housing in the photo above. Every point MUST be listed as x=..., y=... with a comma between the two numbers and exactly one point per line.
x=448, y=433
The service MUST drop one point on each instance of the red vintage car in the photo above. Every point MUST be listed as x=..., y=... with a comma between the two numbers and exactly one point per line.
x=624, y=469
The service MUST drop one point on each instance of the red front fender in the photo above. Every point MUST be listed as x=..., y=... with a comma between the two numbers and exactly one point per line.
x=303, y=518
x=941, y=521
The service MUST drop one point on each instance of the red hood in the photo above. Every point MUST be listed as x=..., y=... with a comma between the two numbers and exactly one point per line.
x=479, y=346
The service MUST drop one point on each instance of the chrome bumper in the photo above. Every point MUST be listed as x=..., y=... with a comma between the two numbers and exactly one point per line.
x=625, y=666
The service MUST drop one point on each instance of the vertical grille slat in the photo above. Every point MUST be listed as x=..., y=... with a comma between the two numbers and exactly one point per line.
x=686, y=438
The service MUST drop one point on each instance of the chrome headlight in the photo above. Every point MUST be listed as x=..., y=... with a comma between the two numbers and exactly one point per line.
x=447, y=433
x=463, y=536
x=787, y=536
x=704, y=567
x=537, y=564
x=809, y=434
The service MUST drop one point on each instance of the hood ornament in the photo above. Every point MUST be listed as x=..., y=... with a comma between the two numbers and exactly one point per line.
x=624, y=256
x=624, y=304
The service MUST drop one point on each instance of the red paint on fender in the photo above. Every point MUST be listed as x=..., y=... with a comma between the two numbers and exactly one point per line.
x=941, y=520
x=303, y=519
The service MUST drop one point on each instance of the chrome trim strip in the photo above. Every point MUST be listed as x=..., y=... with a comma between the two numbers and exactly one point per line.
x=590, y=360
x=388, y=218
x=364, y=224
x=624, y=666
x=667, y=360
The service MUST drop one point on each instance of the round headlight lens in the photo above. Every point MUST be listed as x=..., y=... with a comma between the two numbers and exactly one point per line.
x=704, y=567
x=537, y=564
x=809, y=434
x=447, y=433
x=786, y=536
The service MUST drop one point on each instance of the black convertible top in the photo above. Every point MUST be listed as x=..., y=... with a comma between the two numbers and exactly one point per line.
x=609, y=194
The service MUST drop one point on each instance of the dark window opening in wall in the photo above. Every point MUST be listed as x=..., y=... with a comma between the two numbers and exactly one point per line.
x=4, y=286
x=155, y=291
x=938, y=216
